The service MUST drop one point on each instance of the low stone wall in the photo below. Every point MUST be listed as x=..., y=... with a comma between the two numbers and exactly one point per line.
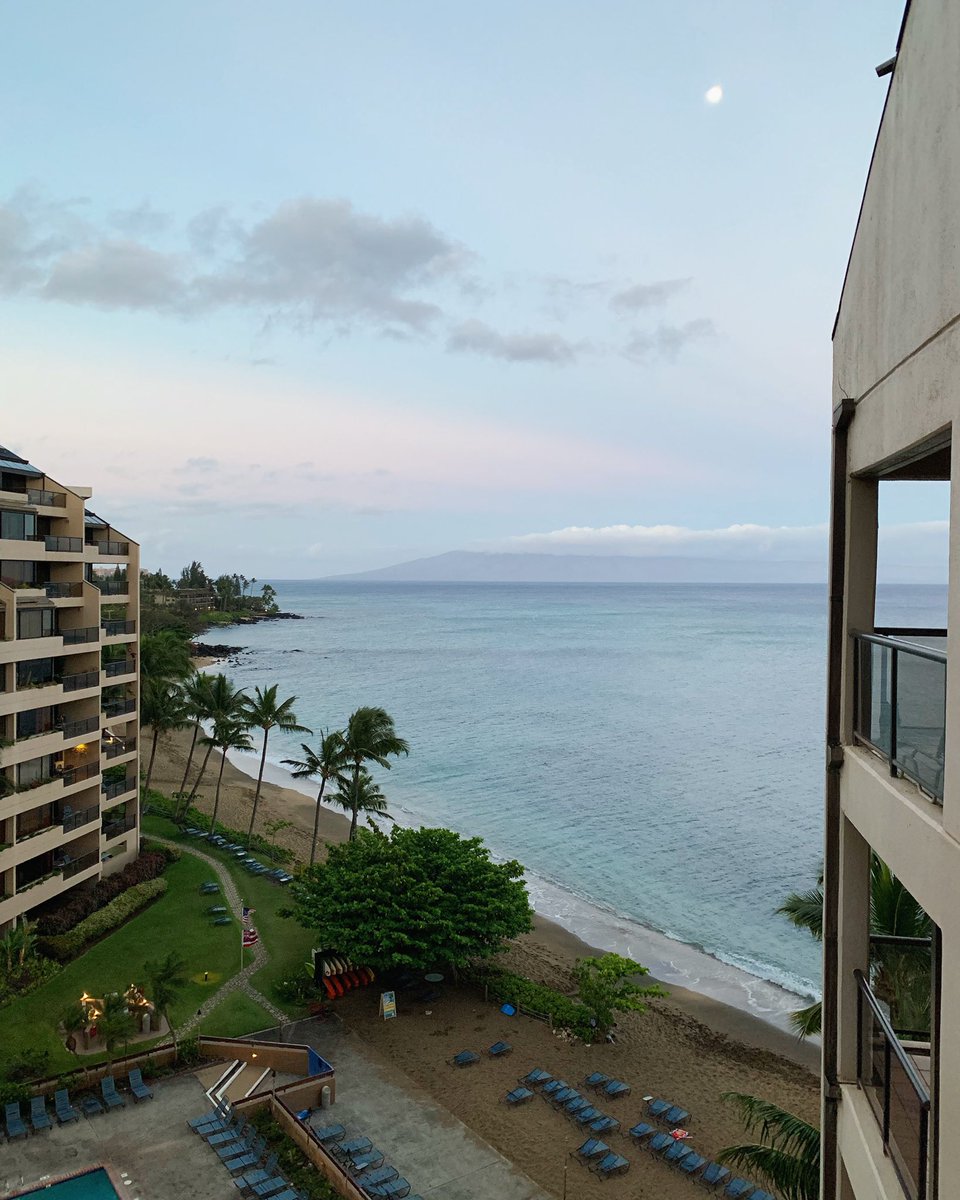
x=314, y=1152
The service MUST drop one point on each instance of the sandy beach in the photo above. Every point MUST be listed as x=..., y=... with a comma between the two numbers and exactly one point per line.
x=687, y=1048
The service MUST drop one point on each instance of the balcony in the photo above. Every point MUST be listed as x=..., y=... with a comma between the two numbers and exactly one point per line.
x=80, y=681
x=72, y=729
x=74, y=775
x=118, y=628
x=123, y=666
x=900, y=688
x=891, y=1078
x=46, y=497
x=119, y=747
x=62, y=545
x=75, y=820
x=118, y=708
x=73, y=866
x=63, y=591
x=79, y=637
x=117, y=787
x=121, y=549
x=113, y=829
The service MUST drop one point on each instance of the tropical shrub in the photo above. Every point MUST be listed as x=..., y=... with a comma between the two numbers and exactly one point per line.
x=292, y=1163
x=563, y=1012
x=83, y=903
x=23, y=979
x=105, y=920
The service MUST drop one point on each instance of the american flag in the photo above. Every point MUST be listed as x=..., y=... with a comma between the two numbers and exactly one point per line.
x=250, y=938
x=247, y=914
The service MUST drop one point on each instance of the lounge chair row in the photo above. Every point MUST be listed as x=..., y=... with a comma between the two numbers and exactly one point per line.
x=466, y=1058
x=242, y=854
x=679, y=1154
x=65, y=1111
x=364, y=1163
x=599, y=1158
x=241, y=1149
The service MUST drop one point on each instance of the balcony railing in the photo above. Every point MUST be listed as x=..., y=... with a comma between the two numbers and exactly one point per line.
x=118, y=748
x=118, y=708
x=43, y=496
x=900, y=702
x=63, y=545
x=77, y=637
x=72, y=729
x=116, y=787
x=895, y=1090
x=76, y=865
x=123, y=666
x=112, y=829
x=63, y=591
x=112, y=547
x=112, y=587
x=74, y=820
x=116, y=628
x=74, y=775
x=76, y=683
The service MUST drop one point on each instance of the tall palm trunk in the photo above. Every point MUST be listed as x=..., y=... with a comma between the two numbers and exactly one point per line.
x=356, y=794
x=316, y=822
x=153, y=755
x=193, y=746
x=256, y=794
x=216, y=802
x=197, y=781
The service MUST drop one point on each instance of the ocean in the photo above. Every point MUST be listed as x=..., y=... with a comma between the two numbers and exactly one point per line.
x=652, y=754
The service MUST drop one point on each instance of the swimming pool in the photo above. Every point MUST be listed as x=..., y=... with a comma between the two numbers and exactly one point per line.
x=91, y=1185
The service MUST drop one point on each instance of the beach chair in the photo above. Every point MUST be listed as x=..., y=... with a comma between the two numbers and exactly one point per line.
x=379, y=1176
x=235, y=1133
x=222, y=921
x=220, y=1111
x=573, y=1107
x=65, y=1110
x=585, y=1116
x=466, y=1058
x=564, y=1096
x=216, y=910
x=714, y=1174
x=396, y=1189
x=244, y=1146
x=596, y=1080
x=693, y=1162
x=658, y=1143
x=137, y=1086
x=610, y=1164
x=370, y=1160
x=328, y=1133
x=498, y=1049
x=108, y=1088
x=39, y=1118
x=243, y=1162
x=206, y=1125
x=519, y=1095
x=209, y=889
x=91, y=1105
x=616, y=1088
x=736, y=1189
x=605, y=1125
x=555, y=1085
x=761, y=1195
x=354, y=1146
x=667, y=1113
x=591, y=1148
x=640, y=1131
x=14, y=1123
x=679, y=1149
x=267, y=1171
x=269, y=1187
x=536, y=1078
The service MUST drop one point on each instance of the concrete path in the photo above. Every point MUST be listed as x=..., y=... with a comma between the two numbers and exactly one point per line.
x=261, y=956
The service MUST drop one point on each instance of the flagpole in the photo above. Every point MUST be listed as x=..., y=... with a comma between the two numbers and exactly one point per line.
x=241, y=933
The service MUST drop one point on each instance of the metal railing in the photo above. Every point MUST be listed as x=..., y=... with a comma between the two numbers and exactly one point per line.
x=118, y=708
x=74, y=775
x=112, y=587
x=79, y=681
x=62, y=591
x=62, y=545
x=900, y=690
x=116, y=628
x=76, y=865
x=74, y=820
x=72, y=729
x=898, y=1096
x=77, y=637
x=116, y=749
x=112, y=547
x=43, y=496
x=122, y=666
x=112, y=829
x=116, y=787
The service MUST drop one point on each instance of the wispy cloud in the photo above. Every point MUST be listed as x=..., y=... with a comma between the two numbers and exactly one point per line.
x=667, y=341
x=731, y=541
x=475, y=337
x=647, y=295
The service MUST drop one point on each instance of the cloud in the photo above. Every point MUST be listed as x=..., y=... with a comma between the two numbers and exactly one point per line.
x=475, y=337
x=647, y=295
x=140, y=221
x=731, y=541
x=117, y=274
x=666, y=341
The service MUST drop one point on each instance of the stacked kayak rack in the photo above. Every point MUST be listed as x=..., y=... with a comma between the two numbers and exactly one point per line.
x=338, y=975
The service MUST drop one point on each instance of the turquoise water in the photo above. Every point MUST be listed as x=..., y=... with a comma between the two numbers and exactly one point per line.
x=652, y=754
x=93, y=1185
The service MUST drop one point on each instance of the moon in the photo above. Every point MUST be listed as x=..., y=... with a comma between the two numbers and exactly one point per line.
x=714, y=94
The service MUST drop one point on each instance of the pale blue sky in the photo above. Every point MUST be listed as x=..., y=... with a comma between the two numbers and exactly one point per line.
x=338, y=285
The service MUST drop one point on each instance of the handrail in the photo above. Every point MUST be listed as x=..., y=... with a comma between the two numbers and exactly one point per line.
x=914, y=648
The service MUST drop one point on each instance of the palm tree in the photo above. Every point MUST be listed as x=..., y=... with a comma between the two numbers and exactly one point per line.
x=370, y=737
x=73, y=1021
x=162, y=708
x=265, y=712
x=361, y=794
x=167, y=978
x=115, y=1024
x=229, y=733
x=224, y=702
x=901, y=977
x=196, y=702
x=164, y=655
x=787, y=1155
x=328, y=766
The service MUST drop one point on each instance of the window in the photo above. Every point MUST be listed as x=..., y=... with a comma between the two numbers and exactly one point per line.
x=20, y=526
x=36, y=670
x=14, y=573
x=34, y=771
x=37, y=720
x=36, y=622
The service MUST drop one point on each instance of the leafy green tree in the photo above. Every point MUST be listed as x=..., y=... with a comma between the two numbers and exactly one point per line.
x=224, y=703
x=162, y=708
x=229, y=733
x=266, y=712
x=606, y=987
x=328, y=764
x=268, y=599
x=361, y=794
x=164, y=655
x=787, y=1154
x=900, y=976
x=370, y=737
x=193, y=576
x=417, y=898
x=167, y=977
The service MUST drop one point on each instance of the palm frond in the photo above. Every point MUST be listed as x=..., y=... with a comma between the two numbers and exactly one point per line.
x=775, y=1126
x=792, y=1177
x=805, y=910
x=807, y=1022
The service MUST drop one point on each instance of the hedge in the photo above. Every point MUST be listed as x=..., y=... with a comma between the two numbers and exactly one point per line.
x=65, y=946
x=83, y=903
x=564, y=1013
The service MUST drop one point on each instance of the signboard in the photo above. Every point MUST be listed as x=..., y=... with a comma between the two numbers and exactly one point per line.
x=388, y=1005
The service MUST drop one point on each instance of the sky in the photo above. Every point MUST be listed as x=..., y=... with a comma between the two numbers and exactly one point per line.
x=316, y=287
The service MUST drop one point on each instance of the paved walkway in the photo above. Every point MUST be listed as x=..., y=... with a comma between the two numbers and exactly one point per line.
x=261, y=956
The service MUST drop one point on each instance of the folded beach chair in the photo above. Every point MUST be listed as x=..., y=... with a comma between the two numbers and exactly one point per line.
x=679, y=1149
x=605, y=1125
x=466, y=1058
x=39, y=1118
x=564, y=1096
x=235, y=1133
x=65, y=1110
x=15, y=1126
x=555, y=1085
x=536, y=1078
x=658, y=1143
x=713, y=1174
x=216, y=910
x=396, y=1189
x=736, y=1189
x=591, y=1148
x=222, y=921
x=585, y=1116
x=219, y=1112
x=498, y=1049
x=259, y=1175
x=244, y=1146
x=108, y=1088
x=369, y=1161
x=354, y=1146
x=693, y=1162
x=247, y=1160
x=91, y=1105
x=596, y=1080
x=640, y=1131
x=519, y=1095
x=269, y=1187
x=610, y=1164
x=209, y=889
x=616, y=1088
x=137, y=1086
x=573, y=1107
x=379, y=1176
x=328, y=1133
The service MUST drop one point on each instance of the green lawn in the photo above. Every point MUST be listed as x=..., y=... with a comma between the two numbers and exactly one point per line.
x=236, y=1016
x=177, y=921
x=289, y=944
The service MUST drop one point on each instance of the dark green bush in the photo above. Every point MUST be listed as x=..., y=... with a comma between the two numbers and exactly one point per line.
x=293, y=1164
x=565, y=1013
x=65, y=946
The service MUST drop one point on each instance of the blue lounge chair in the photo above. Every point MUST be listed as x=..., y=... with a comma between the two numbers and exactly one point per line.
x=498, y=1049
x=596, y=1080
x=736, y=1189
x=65, y=1110
x=108, y=1088
x=573, y=1107
x=221, y=1111
x=15, y=1125
x=248, y=1160
x=669, y=1114
x=396, y=1189
x=693, y=1162
x=369, y=1161
x=616, y=1088
x=234, y=1134
x=269, y=1187
x=679, y=1149
x=328, y=1133
x=591, y=1148
x=564, y=1096
x=640, y=1131
x=658, y=1143
x=39, y=1118
x=536, y=1078
x=259, y=1175
x=137, y=1086
x=353, y=1146
x=555, y=1085
x=466, y=1058
x=759, y=1195
x=379, y=1177
x=605, y=1125
x=586, y=1115
x=244, y=1146
x=91, y=1105
x=610, y=1164
x=519, y=1095
x=713, y=1174
x=216, y=1124
x=676, y=1116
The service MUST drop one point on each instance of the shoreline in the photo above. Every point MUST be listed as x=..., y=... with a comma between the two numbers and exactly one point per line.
x=551, y=946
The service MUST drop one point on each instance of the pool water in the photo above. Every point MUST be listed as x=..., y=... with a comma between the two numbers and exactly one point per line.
x=91, y=1185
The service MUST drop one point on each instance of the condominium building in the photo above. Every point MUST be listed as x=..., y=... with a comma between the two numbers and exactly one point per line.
x=69, y=763
x=891, y=1043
